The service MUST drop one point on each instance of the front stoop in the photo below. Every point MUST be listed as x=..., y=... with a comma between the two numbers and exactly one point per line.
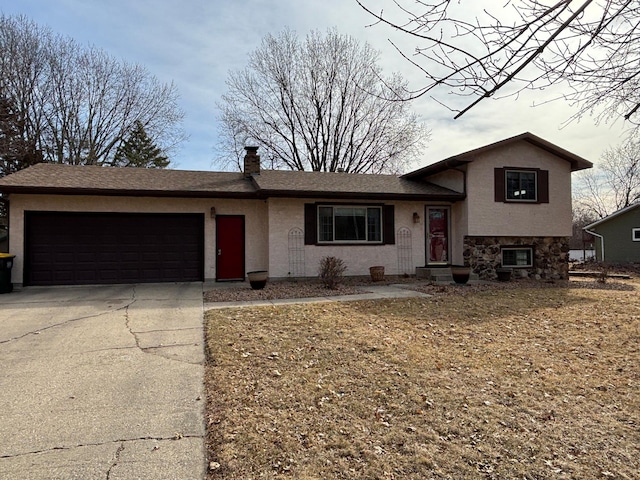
x=440, y=274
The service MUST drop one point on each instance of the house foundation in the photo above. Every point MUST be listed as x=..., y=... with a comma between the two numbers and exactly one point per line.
x=550, y=256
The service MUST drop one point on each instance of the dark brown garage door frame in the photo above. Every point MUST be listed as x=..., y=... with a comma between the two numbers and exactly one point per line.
x=84, y=248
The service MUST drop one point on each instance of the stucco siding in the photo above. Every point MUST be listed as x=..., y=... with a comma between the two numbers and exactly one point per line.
x=451, y=179
x=459, y=227
x=288, y=214
x=255, y=212
x=488, y=217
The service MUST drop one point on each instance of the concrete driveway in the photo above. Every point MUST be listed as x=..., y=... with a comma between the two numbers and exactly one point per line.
x=102, y=383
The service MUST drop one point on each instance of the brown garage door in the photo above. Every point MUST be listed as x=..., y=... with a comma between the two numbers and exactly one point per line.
x=101, y=248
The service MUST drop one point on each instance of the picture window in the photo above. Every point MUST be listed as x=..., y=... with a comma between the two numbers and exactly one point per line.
x=349, y=223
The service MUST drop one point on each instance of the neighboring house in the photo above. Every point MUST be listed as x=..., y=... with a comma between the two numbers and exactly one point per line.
x=618, y=236
x=506, y=204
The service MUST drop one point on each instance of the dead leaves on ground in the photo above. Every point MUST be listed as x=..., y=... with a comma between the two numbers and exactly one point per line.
x=529, y=383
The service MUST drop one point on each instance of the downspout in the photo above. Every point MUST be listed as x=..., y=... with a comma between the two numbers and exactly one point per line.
x=601, y=242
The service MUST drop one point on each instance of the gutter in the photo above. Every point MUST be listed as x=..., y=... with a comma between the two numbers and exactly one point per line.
x=421, y=197
x=601, y=242
x=126, y=192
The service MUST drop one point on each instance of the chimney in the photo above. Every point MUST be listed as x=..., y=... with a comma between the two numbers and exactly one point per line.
x=251, y=162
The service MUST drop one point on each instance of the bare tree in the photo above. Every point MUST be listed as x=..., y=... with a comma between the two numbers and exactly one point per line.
x=78, y=102
x=15, y=152
x=320, y=104
x=581, y=218
x=590, y=49
x=613, y=184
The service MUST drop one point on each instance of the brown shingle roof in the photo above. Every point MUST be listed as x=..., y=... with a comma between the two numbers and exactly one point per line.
x=94, y=180
x=324, y=184
x=85, y=179
x=577, y=163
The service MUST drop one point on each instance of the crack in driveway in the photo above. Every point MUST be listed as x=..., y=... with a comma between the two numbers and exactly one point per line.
x=175, y=437
x=158, y=395
x=66, y=322
x=115, y=460
x=154, y=350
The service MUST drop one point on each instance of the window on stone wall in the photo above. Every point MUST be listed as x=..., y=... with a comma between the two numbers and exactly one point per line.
x=517, y=257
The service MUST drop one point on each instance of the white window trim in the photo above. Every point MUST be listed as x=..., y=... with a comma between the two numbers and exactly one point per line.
x=635, y=234
x=516, y=248
x=506, y=186
x=346, y=242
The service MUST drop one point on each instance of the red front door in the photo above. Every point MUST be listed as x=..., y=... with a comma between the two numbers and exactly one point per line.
x=230, y=247
x=437, y=235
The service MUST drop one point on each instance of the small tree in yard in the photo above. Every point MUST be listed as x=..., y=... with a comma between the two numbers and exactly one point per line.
x=331, y=271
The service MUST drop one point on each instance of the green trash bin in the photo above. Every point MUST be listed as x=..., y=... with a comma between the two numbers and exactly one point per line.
x=6, y=262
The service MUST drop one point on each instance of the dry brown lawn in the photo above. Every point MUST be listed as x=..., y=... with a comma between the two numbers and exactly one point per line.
x=524, y=383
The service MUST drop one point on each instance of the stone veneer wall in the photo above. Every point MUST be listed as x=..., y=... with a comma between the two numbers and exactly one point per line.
x=550, y=255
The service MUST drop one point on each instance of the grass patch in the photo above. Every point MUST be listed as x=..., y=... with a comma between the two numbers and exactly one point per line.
x=523, y=383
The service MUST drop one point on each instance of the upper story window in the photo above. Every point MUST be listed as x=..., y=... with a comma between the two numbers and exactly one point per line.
x=349, y=224
x=635, y=234
x=521, y=185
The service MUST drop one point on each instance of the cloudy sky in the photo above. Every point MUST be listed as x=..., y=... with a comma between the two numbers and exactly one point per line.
x=195, y=43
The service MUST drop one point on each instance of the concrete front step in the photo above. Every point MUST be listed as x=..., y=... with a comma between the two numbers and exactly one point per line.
x=439, y=274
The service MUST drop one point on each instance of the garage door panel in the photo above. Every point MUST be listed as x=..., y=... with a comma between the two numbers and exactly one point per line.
x=43, y=278
x=64, y=248
x=62, y=277
x=79, y=277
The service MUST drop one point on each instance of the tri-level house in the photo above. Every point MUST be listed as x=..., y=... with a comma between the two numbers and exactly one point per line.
x=505, y=204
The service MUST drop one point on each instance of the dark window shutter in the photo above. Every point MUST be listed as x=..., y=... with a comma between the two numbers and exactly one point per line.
x=543, y=186
x=499, y=184
x=310, y=224
x=388, y=225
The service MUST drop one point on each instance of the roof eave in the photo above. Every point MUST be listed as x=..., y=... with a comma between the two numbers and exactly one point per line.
x=360, y=195
x=577, y=162
x=260, y=194
x=124, y=192
x=438, y=167
x=612, y=216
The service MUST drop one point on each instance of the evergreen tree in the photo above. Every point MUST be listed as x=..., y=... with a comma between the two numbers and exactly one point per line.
x=139, y=150
x=77, y=103
x=15, y=152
